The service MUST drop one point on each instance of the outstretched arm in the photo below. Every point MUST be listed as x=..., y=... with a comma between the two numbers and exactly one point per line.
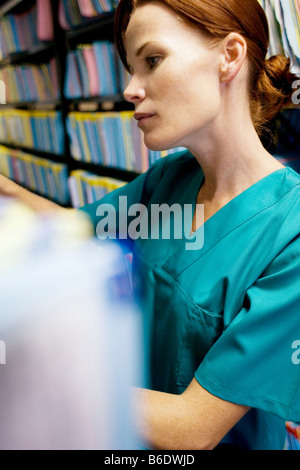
x=195, y=420
x=9, y=188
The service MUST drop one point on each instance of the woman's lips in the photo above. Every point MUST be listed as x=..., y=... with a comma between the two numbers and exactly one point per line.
x=142, y=118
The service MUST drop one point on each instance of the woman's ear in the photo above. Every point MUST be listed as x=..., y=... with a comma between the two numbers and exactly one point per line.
x=234, y=53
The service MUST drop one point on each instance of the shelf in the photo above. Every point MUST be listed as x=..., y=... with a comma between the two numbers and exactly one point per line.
x=36, y=152
x=9, y=6
x=105, y=103
x=40, y=54
x=100, y=170
x=84, y=104
x=97, y=99
x=15, y=6
x=102, y=25
x=41, y=105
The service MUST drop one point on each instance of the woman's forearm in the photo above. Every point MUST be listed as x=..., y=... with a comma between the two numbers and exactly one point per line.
x=9, y=188
x=164, y=422
x=194, y=420
x=160, y=418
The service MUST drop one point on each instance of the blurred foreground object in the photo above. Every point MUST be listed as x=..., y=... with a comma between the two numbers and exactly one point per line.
x=69, y=332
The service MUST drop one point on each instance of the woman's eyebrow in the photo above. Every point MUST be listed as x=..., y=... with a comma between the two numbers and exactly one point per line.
x=140, y=50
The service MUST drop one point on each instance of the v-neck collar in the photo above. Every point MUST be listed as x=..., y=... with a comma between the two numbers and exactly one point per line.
x=232, y=204
x=172, y=255
x=252, y=201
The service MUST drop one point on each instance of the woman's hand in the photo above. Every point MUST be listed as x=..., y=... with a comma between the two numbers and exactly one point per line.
x=7, y=187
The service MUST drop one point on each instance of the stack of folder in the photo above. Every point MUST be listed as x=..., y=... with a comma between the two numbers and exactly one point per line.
x=41, y=130
x=72, y=335
x=94, y=70
x=284, y=22
x=73, y=13
x=45, y=26
x=111, y=139
x=19, y=33
x=43, y=176
x=86, y=188
x=26, y=83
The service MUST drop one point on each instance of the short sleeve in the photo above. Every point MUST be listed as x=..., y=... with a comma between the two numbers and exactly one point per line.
x=253, y=362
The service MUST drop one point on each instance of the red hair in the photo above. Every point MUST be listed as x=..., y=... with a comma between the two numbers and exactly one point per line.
x=270, y=81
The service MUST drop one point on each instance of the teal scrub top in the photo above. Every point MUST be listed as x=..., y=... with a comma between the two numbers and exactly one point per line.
x=227, y=313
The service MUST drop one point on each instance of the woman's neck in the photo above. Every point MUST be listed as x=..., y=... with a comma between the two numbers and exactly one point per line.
x=232, y=162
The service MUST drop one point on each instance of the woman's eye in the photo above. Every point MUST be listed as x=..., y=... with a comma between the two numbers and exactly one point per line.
x=152, y=61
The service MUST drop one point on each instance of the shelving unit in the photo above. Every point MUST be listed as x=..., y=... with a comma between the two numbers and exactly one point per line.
x=99, y=28
x=92, y=29
x=39, y=153
x=7, y=6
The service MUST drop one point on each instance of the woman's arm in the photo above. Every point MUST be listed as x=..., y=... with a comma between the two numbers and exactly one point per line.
x=195, y=420
x=9, y=188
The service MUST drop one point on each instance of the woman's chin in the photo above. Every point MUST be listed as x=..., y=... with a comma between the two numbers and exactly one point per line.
x=158, y=145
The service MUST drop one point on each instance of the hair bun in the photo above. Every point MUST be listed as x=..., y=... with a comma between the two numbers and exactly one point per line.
x=278, y=69
x=274, y=87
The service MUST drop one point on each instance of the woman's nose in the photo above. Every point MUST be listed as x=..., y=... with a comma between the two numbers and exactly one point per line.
x=134, y=92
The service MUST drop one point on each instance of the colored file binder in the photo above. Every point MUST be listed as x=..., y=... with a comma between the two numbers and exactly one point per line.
x=26, y=83
x=43, y=176
x=45, y=30
x=87, y=8
x=91, y=66
x=112, y=139
x=72, y=13
x=284, y=20
x=26, y=31
x=42, y=130
x=86, y=187
x=94, y=70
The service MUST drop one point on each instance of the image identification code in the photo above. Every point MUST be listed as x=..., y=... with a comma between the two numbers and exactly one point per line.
x=150, y=459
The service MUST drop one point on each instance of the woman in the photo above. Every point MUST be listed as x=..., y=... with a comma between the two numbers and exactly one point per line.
x=220, y=321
